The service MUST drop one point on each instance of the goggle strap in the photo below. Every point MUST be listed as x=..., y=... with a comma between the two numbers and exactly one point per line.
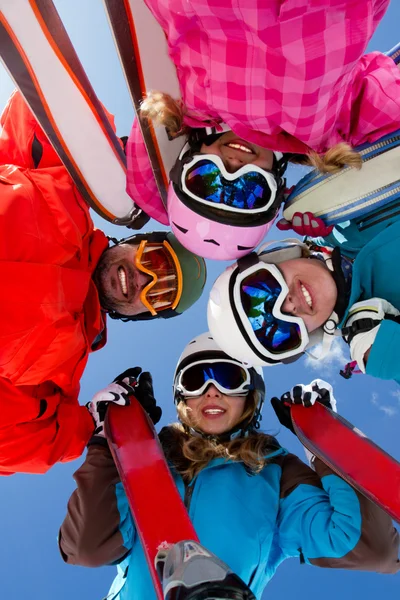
x=327, y=339
x=247, y=261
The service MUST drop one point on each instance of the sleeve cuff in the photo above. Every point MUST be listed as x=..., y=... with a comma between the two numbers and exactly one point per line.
x=97, y=440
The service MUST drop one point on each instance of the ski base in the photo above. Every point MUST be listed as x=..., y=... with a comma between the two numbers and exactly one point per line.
x=349, y=453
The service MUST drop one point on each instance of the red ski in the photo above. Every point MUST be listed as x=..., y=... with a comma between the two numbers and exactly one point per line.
x=140, y=461
x=348, y=452
x=173, y=553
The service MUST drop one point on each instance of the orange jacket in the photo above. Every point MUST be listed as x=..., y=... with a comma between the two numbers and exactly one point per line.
x=49, y=307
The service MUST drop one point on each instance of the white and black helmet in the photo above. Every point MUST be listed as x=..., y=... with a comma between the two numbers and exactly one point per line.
x=227, y=326
x=203, y=349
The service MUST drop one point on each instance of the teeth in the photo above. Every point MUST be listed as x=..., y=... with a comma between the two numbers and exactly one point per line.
x=236, y=146
x=122, y=280
x=307, y=296
x=214, y=411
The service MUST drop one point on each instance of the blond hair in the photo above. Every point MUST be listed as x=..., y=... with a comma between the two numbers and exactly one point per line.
x=190, y=453
x=336, y=158
x=163, y=110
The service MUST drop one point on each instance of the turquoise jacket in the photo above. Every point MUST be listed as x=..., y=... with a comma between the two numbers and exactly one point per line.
x=374, y=242
x=253, y=523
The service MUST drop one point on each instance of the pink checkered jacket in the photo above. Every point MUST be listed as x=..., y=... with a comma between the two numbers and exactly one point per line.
x=287, y=75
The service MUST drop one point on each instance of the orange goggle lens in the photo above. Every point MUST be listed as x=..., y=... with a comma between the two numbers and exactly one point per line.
x=159, y=261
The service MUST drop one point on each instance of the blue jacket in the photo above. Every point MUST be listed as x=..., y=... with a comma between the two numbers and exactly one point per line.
x=374, y=242
x=252, y=522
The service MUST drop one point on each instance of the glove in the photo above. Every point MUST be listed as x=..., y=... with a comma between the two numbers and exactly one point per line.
x=305, y=224
x=142, y=390
x=115, y=392
x=362, y=326
x=316, y=391
x=131, y=382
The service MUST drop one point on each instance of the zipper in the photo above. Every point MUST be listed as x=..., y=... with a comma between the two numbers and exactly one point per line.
x=385, y=198
x=188, y=495
x=382, y=146
x=252, y=577
x=395, y=55
x=378, y=146
x=384, y=214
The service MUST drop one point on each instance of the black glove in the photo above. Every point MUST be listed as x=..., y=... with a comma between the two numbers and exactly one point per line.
x=142, y=384
x=316, y=391
x=282, y=411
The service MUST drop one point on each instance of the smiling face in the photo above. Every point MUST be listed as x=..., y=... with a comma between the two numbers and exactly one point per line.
x=206, y=236
x=312, y=291
x=119, y=282
x=236, y=152
x=215, y=413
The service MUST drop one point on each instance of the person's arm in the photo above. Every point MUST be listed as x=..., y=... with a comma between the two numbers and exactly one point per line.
x=382, y=359
x=39, y=427
x=98, y=529
x=22, y=141
x=140, y=182
x=371, y=109
x=372, y=329
x=326, y=522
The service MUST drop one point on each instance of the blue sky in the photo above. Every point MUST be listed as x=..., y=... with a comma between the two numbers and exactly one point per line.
x=32, y=507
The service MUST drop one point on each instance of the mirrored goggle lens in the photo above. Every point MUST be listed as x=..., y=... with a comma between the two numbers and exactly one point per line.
x=229, y=376
x=249, y=191
x=157, y=261
x=259, y=293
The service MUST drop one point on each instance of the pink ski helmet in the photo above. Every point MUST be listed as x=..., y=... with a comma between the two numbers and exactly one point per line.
x=208, y=238
x=215, y=228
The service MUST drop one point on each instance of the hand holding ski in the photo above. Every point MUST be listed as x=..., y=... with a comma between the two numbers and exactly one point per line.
x=130, y=383
x=305, y=224
x=306, y=395
x=117, y=393
x=180, y=567
x=142, y=384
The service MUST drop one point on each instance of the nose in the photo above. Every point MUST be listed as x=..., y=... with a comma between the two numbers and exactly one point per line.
x=212, y=392
x=232, y=163
x=289, y=306
x=142, y=279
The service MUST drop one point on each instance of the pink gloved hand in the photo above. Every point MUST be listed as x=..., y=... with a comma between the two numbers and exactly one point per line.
x=305, y=224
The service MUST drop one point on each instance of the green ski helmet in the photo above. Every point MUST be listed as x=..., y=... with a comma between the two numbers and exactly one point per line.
x=192, y=275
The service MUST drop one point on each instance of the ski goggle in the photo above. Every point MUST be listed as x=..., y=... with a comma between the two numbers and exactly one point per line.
x=259, y=293
x=228, y=376
x=250, y=189
x=160, y=262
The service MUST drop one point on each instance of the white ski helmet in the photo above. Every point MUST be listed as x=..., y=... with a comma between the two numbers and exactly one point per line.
x=231, y=329
x=203, y=349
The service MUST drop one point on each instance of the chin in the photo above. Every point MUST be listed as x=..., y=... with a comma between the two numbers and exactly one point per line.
x=214, y=430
